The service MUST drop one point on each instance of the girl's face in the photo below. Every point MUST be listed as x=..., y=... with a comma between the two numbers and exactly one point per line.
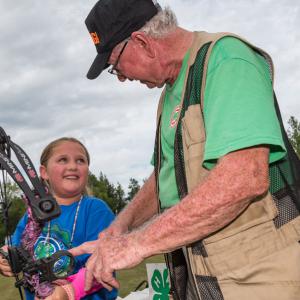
x=66, y=172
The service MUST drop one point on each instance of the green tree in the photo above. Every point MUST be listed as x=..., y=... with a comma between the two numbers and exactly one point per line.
x=119, y=198
x=15, y=209
x=102, y=188
x=133, y=188
x=294, y=134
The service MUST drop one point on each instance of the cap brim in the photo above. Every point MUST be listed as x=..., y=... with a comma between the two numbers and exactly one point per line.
x=99, y=64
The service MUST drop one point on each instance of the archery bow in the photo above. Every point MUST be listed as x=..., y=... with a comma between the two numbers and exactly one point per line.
x=41, y=205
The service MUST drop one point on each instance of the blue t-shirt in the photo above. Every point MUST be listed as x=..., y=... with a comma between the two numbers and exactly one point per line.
x=94, y=216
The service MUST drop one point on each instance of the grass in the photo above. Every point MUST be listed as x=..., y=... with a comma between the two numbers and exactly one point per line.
x=129, y=280
x=9, y=292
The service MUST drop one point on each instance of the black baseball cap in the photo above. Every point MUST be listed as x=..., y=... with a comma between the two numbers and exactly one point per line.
x=112, y=21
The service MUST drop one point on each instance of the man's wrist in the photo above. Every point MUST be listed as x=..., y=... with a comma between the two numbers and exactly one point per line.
x=141, y=243
x=123, y=221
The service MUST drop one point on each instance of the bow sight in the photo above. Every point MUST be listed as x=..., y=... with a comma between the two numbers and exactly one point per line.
x=43, y=207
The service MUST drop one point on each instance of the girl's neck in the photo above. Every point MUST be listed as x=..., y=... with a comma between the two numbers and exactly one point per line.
x=67, y=201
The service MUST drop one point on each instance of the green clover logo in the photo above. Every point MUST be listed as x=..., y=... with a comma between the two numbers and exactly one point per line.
x=160, y=285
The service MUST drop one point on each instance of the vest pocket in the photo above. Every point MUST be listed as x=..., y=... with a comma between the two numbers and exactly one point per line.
x=192, y=126
x=248, y=238
x=193, y=141
x=261, y=211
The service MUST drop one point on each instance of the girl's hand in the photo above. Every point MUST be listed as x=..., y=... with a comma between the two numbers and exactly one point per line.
x=5, y=268
x=59, y=293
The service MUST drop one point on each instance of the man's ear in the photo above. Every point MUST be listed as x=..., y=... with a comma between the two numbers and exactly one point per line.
x=144, y=41
x=43, y=172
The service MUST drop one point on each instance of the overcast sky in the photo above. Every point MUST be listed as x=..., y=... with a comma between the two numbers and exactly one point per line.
x=45, y=52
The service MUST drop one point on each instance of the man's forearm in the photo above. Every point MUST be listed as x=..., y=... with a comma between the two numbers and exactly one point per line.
x=142, y=207
x=228, y=190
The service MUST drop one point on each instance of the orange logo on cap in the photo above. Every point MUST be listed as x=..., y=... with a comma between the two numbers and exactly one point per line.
x=95, y=38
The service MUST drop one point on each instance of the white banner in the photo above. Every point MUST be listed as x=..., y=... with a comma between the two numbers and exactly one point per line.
x=158, y=280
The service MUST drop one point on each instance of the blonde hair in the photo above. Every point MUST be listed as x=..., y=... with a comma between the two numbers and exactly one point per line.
x=48, y=152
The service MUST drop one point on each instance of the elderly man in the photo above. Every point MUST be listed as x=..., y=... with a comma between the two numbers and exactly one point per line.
x=220, y=202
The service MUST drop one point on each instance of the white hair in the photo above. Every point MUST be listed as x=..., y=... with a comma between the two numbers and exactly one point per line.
x=161, y=24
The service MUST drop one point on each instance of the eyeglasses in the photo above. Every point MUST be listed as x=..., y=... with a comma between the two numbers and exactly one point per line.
x=113, y=70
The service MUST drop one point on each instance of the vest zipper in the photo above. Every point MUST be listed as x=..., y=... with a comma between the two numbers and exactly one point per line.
x=173, y=290
x=192, y=273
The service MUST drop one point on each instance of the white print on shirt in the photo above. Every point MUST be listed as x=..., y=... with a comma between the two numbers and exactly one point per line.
x=174, y=116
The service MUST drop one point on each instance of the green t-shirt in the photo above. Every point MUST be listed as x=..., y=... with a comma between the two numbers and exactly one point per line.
x=238, y=111
x=169, y=118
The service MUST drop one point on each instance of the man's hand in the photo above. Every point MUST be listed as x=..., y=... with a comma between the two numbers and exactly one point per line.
x=109, y=254
x=117, y=228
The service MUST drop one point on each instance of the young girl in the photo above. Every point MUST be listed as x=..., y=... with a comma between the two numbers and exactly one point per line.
x=64, y=168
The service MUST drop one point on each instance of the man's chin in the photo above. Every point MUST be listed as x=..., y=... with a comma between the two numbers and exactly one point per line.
x=152, y=85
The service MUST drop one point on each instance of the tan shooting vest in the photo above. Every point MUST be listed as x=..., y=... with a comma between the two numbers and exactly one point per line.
x=198, y=267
